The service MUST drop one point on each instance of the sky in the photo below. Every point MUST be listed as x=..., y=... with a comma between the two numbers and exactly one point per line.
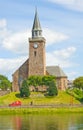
x=62, y=26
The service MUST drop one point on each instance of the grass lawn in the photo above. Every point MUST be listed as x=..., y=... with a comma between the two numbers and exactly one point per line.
x=38, y=98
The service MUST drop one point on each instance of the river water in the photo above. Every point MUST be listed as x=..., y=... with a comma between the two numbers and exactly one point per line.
x=42, y=122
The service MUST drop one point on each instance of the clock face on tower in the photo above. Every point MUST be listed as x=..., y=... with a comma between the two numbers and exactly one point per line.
x=35, y=45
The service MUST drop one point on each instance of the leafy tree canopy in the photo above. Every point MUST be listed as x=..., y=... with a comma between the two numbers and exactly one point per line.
x=2, y=77
x=35, y=80
x=78, y=83
x=40, y=80
x=4, y=83
x=47, y=79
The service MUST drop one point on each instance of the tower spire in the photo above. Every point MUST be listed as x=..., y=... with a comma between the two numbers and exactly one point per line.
x=36, y=29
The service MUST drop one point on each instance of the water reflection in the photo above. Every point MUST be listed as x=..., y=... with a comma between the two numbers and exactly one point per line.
x=42, y=122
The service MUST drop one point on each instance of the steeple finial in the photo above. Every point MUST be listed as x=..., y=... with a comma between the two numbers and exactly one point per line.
x=36, y=29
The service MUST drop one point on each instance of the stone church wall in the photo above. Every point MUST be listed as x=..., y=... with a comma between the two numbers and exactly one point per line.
x=61, y=83
x=19, y=76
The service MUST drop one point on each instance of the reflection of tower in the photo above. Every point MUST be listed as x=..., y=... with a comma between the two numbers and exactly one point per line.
x=37, y=63
x=17, y=121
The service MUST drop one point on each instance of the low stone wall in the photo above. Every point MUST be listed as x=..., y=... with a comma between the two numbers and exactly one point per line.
x=4, y=92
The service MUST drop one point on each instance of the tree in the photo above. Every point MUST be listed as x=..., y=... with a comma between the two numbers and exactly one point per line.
x=40, y=80
x=78, y=83
x=24, y=91
x=4, y=83
x=46, y=79
x=49, y=81
x=35, y=80
x=52, y=90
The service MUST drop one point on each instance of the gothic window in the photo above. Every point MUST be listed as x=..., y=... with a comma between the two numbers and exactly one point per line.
x=20, y=80
x=39, y=32
x=35, y=33
x=35, y=53
x=32, y=33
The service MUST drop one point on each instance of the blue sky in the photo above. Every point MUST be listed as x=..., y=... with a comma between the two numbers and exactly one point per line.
x=62, y=25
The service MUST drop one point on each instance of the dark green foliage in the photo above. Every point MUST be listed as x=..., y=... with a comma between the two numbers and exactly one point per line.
x=35, y=81
x=40, y=80
x=46, y=79
x=4, y=83
x=24, y=91
x=52, y=90
x=76, y=93
x=78, y=83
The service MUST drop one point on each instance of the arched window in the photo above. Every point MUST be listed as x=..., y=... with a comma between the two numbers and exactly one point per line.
x=35, y=53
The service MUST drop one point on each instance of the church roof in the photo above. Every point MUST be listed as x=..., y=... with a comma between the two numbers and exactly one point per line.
x=55, y=71
x=36, y=24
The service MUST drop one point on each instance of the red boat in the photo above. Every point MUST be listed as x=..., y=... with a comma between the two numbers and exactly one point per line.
x=16, y=103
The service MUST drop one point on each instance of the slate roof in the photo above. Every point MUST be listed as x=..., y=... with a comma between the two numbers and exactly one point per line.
x=55, y=71
x=36, y=24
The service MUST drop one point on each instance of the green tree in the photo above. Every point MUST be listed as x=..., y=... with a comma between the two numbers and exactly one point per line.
x=47, y=78
x=24, y=91
x=4, y=83
x=40, y=80
x=78, y=83
x=35, y=80
x=52, y=90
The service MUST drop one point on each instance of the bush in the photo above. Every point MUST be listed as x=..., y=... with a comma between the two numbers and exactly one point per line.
x=24, y=91
x=52, y=90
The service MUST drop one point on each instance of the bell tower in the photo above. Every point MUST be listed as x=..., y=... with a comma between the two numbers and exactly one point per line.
x=37, y=58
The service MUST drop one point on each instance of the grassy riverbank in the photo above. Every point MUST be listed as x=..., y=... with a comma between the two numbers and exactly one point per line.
x=39, y=99
x=65, y=102
x=7, y=111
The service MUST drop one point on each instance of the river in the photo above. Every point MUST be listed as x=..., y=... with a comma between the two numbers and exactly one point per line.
x=42, y=122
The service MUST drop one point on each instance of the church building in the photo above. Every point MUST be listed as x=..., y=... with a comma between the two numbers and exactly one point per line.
x=36, y=64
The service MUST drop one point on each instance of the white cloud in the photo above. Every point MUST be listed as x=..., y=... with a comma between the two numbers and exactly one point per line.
x=3, y=30
x=17, y=42
x=72, y=75
x=65, y=53
x=52, y=59
x=53, y=36
x=61, y=57
x=3, y=23
x=8, y=66
x=71, y=4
